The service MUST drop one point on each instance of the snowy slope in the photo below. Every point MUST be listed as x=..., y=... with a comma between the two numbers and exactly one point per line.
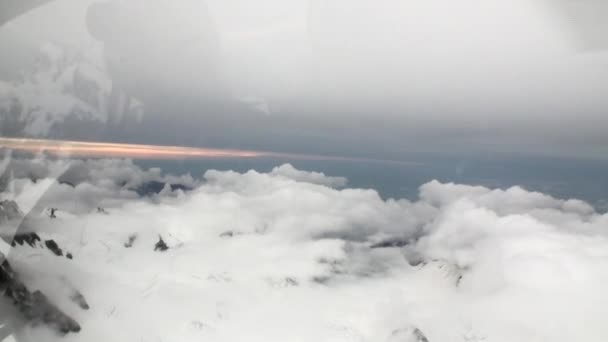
x=268, y=257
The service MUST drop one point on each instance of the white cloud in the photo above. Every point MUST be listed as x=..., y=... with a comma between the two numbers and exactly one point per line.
x=282, y=256
x=288, y=171
x=82, y=186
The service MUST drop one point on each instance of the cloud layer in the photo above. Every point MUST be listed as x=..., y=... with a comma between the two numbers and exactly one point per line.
x=291, y=256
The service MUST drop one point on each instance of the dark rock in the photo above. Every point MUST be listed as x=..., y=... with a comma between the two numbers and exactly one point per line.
x=420, y=337
x=53, y=247
x=392, y=243
x=323, y=280
x=29, y=238
x=131, y=241
x=227, y=234
x=6, y=274
x=291, y=282
x=160, y=246
x=34, y=307
x=410, y=334
x=32, y=238
x=79, y=299
x=41, y=310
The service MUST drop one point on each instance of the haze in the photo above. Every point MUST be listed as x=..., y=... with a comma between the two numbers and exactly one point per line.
x=352, y=77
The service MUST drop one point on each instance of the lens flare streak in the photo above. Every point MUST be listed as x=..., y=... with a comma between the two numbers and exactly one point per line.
x=82, y=149
x=63, y=148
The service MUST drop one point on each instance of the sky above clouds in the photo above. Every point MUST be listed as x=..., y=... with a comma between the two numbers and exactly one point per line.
x=354, y=77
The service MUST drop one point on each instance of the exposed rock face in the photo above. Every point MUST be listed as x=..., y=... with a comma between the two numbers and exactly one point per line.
x=227, y=234
x=392, y=243
x=161, y=246
x=131, y=241
x=34, y=307
x=79, y=299
x=27, y=238
x=33, y=240
x=53, y=247
x=410, y=334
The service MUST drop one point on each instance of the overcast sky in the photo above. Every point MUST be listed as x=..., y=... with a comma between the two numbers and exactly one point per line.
x=340, y=77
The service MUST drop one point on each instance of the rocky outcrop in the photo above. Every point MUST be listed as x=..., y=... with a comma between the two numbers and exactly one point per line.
x=392, y=243
x=411, y=334
x=34, y=306
x=53, y=247
x=33, y=240
x=131, y=241
x=79, y=299
x=161, y=245
x=28, y=238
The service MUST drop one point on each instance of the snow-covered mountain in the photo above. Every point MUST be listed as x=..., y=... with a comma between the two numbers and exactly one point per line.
x=284, y=256
x=67, y=86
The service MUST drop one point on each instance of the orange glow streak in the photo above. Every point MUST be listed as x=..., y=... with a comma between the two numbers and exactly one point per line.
x=66, y=148
x=102, y=149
